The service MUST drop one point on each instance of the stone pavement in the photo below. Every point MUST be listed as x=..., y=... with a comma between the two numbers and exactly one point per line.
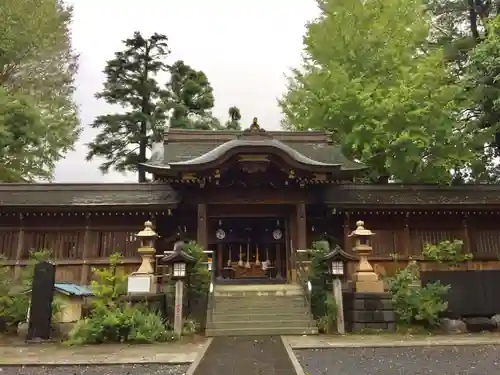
x=389, y=340
x=185, y=351
x=246, y=355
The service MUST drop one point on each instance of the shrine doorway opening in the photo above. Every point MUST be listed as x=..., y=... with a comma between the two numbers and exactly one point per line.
x=250, y=249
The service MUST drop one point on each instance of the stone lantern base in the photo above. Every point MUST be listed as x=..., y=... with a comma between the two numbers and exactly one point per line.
x=367, y=282
x=369, y=311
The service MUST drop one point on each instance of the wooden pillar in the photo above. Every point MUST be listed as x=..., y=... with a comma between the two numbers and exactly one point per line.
x=202, y=236
x=86, y=266
x=20, y=247
x=301, y=237
x=301, y=227
x=406, y=235
x=466, y=237
x=220, y=265
x=347, y=241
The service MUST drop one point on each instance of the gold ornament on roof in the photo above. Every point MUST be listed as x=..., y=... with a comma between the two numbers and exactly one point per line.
x=255, y=125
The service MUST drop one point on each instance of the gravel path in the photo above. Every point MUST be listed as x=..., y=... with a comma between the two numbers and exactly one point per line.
x=450, y=360
x=250, y=355
x=96, y=370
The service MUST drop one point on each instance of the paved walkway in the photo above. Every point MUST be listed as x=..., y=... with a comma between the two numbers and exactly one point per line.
x=390, y=340
x=56, y=354
x=247, y=355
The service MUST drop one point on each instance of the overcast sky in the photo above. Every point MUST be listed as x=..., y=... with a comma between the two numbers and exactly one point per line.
x=244, y=46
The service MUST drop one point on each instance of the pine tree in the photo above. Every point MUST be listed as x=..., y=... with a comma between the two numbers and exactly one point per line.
x=234, y=119
x=131, y=82
x=191, y=98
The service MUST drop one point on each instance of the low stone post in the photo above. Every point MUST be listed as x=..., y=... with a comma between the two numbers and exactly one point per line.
x=337, y=269
x=180, y=263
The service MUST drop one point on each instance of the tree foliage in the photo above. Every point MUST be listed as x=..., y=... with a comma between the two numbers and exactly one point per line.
x=234, y=119
x=131, y=83
x=483, y=79
x=461, y=27
x=38, y=117
x=148, y=105
x=370, y=77
x=191, y=98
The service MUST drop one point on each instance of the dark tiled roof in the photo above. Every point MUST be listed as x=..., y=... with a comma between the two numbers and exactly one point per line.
x=83, y=195
x=311, y=145
x=322, y=153
x=340, y=196
x=411, y=195
x=272, y=143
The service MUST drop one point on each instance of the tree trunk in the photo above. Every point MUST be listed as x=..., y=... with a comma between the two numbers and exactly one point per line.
x=473, y=21
x=143, y=145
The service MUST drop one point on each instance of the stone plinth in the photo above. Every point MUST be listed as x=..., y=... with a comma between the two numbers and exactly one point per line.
x=369, y=311
x=363, y=286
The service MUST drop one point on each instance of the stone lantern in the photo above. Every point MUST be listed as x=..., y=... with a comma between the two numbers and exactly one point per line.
x=143, y=281
x=146, y=250
x=179, y=261
x=337, y=262
x=365, y=279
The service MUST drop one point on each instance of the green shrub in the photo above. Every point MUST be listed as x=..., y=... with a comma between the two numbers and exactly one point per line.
x=447, y=252
x=15, y=293
x=112, y=319
x=129, y=324
x=109, y=284
x=199, y=281
x=327, y=323
x=190, y=327
x=413, y=303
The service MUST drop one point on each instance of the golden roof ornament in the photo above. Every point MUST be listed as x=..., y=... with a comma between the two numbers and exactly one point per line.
x=255, y=125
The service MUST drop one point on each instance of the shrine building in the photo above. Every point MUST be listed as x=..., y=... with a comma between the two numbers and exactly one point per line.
x=254, y=197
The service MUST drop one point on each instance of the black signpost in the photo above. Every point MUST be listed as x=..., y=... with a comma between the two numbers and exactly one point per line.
x=42, y=294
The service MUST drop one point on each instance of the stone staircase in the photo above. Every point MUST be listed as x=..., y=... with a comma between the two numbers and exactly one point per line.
x=244, y=310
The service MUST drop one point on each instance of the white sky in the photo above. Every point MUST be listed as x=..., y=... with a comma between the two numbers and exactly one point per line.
x=244, y=46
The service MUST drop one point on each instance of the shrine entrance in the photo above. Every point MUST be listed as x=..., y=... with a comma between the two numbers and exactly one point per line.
x=250, y=250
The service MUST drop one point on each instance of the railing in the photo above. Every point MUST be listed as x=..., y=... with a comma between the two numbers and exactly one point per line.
x=302, y=275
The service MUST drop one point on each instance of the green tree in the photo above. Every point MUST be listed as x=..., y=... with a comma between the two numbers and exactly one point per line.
x=460, y=27
x=125, y=137
x=234, y=119
x=38, y=117
x=191, y=98
x=370, y=78
x=483, y=78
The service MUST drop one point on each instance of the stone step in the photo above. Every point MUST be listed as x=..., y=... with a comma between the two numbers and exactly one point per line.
x=258, y=290
x=242, y=316
x=259, y=310
x=247, y=324
x=259, y=301
x=262, y=331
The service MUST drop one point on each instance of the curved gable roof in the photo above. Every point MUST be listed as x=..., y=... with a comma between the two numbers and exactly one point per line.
x=229, y=146
x=195, y=148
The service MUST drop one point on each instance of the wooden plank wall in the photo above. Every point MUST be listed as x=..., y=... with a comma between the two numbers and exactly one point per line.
x=401, y=236
x=79, y=241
